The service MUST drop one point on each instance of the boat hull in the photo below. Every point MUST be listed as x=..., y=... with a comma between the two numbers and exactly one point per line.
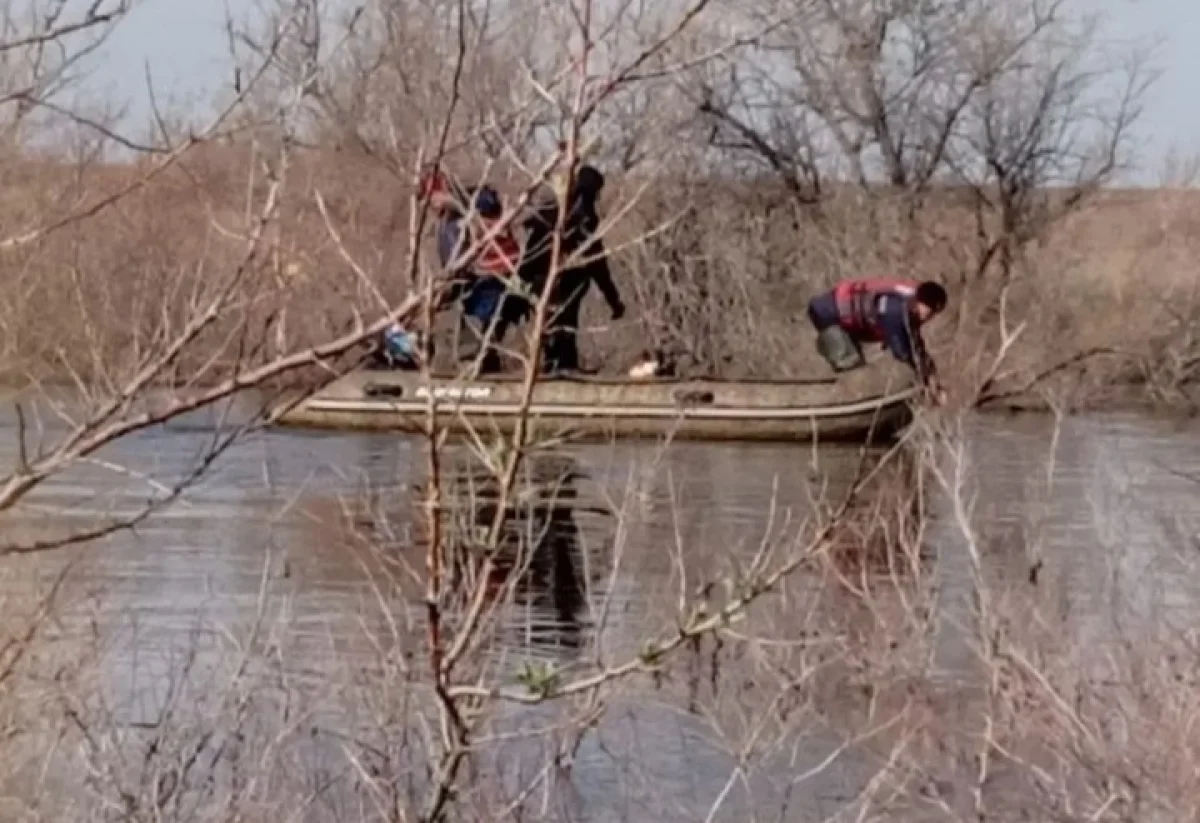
x=596, y=409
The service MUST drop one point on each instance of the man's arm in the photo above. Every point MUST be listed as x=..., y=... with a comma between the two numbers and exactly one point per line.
x=903, y=339
x=452, y=242
x=449, y=240
x=600, y=272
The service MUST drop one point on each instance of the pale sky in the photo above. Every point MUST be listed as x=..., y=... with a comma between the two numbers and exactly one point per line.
x=184, y=43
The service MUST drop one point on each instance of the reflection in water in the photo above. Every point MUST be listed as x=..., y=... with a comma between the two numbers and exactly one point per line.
x=548, y=557
x=538, y=561
x=1111, y=529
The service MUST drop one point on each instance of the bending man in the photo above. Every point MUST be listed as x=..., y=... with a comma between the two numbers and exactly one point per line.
x=886, y=311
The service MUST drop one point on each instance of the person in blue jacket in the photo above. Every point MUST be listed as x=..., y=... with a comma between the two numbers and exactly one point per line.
x=888, y=311
x=482, y=284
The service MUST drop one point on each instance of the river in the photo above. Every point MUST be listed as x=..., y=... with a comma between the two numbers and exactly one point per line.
x=278, y=604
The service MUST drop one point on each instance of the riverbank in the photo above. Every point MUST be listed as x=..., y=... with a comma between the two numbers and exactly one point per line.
x=722, y=288
x=1104, y=394
x=1120, y=401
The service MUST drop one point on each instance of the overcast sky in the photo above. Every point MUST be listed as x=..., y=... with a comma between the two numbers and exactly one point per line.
x=184, y=44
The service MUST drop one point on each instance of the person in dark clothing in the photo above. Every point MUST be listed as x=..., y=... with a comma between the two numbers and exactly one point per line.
x=886, y=311
x=568, y=289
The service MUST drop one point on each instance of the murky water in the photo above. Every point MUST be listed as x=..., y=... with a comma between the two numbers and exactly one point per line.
x=301, y=553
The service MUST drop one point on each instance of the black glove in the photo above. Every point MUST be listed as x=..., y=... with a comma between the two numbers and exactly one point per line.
x=618, y=310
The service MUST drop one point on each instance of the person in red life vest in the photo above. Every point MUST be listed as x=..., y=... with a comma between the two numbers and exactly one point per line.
x=483, y=283
x=883, y=310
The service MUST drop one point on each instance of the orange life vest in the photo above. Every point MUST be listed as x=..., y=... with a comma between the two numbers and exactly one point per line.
x=501, y=255
x=858, y=301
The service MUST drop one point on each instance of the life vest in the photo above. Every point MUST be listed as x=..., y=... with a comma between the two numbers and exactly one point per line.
x=501, y=255
x=858, y=302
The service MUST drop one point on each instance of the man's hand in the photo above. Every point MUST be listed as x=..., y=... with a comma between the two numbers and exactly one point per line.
x=618, y=310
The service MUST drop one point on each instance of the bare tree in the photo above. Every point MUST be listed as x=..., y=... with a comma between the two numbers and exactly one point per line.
x=802, y=647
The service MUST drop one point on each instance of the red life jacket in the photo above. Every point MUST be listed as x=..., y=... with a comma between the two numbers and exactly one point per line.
x=858, y=303
x=499, y=256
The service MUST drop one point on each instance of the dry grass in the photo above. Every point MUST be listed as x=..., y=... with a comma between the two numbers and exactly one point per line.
x=744, y=175
x=799, y=654
x=724, y=284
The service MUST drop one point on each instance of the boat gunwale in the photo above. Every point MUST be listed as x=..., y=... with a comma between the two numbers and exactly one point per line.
x=705, y=411
x=592, y=380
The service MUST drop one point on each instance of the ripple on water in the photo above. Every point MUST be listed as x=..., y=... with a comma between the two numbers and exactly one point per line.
x=1115, y=522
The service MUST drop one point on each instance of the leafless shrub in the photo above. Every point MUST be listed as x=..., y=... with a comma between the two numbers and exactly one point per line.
x=861, y=137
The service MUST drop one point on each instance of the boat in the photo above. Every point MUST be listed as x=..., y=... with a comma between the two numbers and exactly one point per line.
x=863, y=406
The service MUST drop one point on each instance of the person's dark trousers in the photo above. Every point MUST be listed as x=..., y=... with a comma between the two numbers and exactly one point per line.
x=562, y=338
x=491, y=362
x=841, y=351
x=483, y=306
x=822, y=311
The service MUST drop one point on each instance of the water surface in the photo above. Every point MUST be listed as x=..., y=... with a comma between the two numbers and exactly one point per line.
x=279, y=551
